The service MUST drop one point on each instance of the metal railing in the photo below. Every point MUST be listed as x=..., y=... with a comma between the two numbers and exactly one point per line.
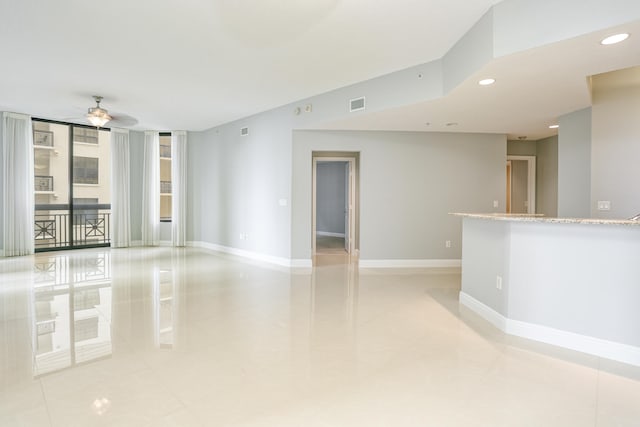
x=90, y=226
x=165, y=187
x=43, y=183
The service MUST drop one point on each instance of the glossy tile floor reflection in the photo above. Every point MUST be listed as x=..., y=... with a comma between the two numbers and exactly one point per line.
x=165, y=337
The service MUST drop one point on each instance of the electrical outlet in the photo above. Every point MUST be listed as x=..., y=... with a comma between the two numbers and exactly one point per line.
x=447, y=244
x=496, y=203
x=499, y=283
x=604, y=205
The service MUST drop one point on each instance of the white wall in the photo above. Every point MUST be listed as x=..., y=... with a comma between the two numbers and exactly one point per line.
x=409, y=183
x=615, y=145
x=330, y=197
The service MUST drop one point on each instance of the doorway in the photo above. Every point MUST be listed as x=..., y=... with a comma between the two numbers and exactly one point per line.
x=521, y=185
x=334, y=204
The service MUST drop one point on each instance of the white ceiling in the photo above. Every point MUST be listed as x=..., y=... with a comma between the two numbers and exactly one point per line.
x=195, y=64
x=533, y=88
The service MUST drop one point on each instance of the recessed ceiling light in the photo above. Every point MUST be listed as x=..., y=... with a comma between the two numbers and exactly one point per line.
x=616, y=38
x=554, y=126
x=486, y=82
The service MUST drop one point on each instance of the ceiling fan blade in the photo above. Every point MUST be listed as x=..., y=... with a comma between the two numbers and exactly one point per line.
x=122, y=120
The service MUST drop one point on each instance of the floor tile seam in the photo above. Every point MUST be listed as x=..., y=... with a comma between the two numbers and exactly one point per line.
x=46, y=402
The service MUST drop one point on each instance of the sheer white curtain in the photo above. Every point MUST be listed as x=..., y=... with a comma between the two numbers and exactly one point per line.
x=178, y=187
x=151, y=189
x=17, y=183
x=120, y=173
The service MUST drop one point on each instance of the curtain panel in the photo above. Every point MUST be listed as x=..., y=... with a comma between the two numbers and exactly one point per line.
x=17, y=185
x=120, y=184
x=178, y=187
x=151, y=189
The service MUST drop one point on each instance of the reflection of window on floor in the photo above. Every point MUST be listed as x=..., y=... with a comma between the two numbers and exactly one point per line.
x=86, y=329
x=84, y=300
x=85, y=170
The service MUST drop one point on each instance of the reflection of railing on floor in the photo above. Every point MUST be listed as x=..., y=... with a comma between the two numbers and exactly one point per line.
x=91, y=226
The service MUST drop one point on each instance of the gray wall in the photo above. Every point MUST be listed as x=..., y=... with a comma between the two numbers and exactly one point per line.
x=522, y=148
x=574, y=164
x=615, y=144
x=330, y=197
x=547, y=176
x=519, y=186
x=1, y=185
x=485, y=255
x=409, y=183
x=236, y=184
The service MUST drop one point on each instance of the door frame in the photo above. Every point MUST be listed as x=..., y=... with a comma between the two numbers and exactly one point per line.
x=531, y=181
x=352, y=208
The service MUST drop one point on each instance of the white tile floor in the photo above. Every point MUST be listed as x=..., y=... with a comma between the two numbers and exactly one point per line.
x=162, y=337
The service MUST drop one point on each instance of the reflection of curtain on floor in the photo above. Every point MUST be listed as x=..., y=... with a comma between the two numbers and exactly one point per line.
x=178, y=187
x=18, y=186
x=120, y=209
x=151, y=189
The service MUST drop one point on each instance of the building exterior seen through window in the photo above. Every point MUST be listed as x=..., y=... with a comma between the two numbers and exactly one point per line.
x=165, y=177
x=72, y=193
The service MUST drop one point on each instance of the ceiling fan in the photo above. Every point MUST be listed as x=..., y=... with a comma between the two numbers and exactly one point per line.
x=99, y=116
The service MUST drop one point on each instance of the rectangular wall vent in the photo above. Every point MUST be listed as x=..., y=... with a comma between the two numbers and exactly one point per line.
x=244, y=131
x=356, y=104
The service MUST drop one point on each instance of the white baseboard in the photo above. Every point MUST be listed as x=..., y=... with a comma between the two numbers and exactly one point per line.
x=409, y=263
x=283, y=262
x=586, y=344
x=329, y=234
x=484, y=311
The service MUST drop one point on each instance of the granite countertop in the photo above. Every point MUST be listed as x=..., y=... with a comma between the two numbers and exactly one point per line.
x=544, y=219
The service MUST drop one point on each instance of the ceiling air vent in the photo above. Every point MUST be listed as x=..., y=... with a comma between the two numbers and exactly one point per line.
x=244, y=131
x=356, y=104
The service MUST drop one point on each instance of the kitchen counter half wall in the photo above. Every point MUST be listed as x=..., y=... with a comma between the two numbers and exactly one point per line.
x=574, y=283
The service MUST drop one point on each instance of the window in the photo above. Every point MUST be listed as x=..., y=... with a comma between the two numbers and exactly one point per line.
x=72, y=194
x=86, y=135
x=85, y=170
x=165, y=177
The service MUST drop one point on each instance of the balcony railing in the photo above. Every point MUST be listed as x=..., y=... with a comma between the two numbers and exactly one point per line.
x=90, y=227
x=165, y=187
x=43, y=183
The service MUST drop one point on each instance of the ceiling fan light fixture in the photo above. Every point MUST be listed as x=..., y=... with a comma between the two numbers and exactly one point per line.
x=98, y=116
